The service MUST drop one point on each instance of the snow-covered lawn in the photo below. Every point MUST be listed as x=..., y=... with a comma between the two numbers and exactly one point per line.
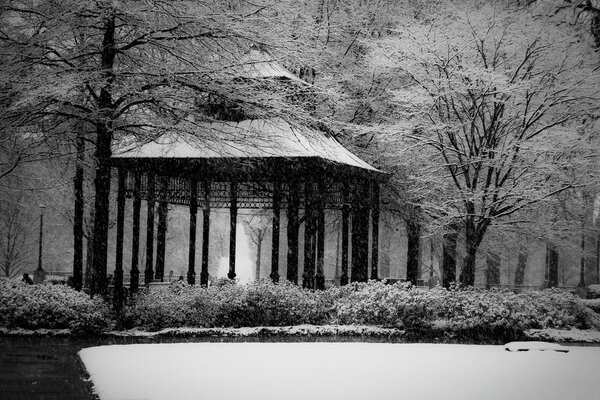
x=345, y=371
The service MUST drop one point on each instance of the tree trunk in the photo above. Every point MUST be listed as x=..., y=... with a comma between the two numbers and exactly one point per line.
x=78, y=214
x=449, y=257
x=552, y=265
x=413, y=229
x=89, y=263
x=582, y=260
x=101, y=215
x=467, y=274
x=520, y=271
x=103, y=152
x=493, y=270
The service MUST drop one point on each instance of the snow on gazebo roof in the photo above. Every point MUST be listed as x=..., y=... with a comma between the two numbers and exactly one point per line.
x=258, y=139
x=259, y=64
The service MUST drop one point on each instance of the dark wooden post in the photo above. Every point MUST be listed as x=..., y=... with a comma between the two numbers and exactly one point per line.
x=134, y=279
x=308, y=277
x=232, y=229
x=191, y=273
x=149, y=271
x=292, y=231
x=320, y=277
x=161, y=235
x=345, y=227
x=118, y=290
x=360, y=233
x=205, y=234
x=374, y=230
x=275, y=237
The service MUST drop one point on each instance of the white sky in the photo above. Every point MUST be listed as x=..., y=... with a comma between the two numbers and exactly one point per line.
x=348, y=371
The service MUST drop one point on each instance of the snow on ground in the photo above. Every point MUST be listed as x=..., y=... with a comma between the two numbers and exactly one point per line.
x=294, y=330
x=532, y=346
x=345, y=371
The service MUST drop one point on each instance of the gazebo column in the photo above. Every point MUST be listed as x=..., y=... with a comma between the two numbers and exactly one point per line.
x=275, y=236
x=149, y=271
x=134, y=280
x=292, y=231
x=233, y=209
x=191, y=273
x=345, y=227
x=118, y=290
x=360, y=232
x=205, y=234
x=320, y=277
x=308, y=277
x=161, y=235
x=374, y=230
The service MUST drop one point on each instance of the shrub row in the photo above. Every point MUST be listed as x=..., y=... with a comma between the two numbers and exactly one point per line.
x=455, y=311
x=52, y=307
x=227, y=305
x=492, y=312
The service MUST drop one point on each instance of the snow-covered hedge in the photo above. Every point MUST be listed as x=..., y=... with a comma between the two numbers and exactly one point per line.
x=52, y=307
x=227, y=305
x=487, y=312
x=469, y=313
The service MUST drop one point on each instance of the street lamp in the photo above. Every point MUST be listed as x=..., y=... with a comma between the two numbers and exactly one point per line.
x=42, y=207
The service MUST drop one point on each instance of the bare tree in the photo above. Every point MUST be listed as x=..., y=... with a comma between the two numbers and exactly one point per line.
x=500, y=95
x=258, y=226
x=17, y=243
x=133, y=69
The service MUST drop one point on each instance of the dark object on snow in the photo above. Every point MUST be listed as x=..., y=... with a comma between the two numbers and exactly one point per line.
x=27, y=279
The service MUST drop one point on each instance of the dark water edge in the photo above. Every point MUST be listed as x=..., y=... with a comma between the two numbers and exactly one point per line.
x=48, y=368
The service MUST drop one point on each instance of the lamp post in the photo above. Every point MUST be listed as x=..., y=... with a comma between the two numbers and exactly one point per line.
x=42, y=207
x=39, y=275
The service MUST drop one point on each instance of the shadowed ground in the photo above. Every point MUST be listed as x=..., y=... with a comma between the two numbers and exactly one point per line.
x=37, y=368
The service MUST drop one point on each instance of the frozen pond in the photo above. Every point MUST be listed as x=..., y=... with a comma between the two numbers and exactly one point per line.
x=348, y=371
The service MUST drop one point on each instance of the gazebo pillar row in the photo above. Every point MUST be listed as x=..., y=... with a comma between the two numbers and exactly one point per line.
x=205, y=234
x=118, y=290
x=292, y=232
x=233, y=209
x=374, y=230
x=134, y=280
x=149, y=271
x=320, y=277
x=275, y=237
x=161, y=235
x=345, y=227
x=308, y=277
x=360, y=233
x=191, y=272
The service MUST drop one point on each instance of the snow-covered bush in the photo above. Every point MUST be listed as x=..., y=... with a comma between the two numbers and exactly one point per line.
x=51, y=307
x=265, y=303
x=254, y=304
x=375, y=303
x=171, y=306
x=502, y=312
x=458, y=311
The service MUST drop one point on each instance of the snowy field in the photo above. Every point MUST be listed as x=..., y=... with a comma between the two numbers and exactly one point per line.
x=345, y=371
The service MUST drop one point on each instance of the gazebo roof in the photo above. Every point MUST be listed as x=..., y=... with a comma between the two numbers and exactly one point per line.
x=246, y=140
x=258, y=64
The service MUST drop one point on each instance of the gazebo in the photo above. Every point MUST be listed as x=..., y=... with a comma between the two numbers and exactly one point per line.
x=260, y=163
